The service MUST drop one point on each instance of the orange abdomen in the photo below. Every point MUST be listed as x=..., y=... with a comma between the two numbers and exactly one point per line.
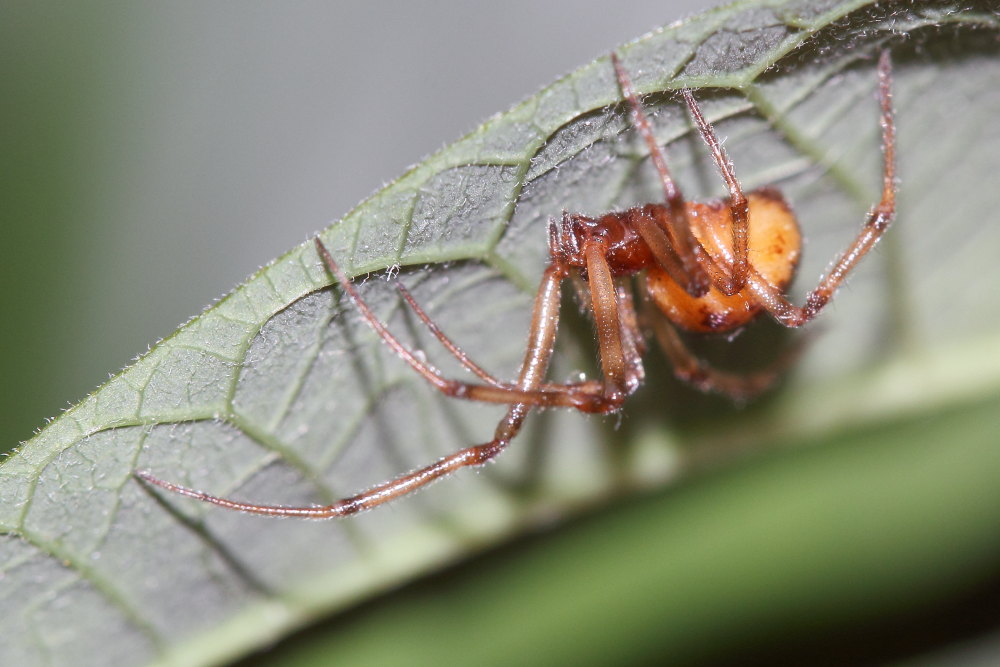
x=775, y=243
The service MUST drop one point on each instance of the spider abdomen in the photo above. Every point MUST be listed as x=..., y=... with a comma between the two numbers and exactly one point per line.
x=775, y=243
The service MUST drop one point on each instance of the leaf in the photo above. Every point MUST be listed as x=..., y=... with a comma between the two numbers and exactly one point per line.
x=279, y=394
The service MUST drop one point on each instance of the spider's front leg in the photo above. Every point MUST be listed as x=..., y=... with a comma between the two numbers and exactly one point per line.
x=881, y=216
x=681, y=245
x=522, y=396
x=529, y=391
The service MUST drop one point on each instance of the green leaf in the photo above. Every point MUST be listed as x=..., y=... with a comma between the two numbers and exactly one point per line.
x=279, y=394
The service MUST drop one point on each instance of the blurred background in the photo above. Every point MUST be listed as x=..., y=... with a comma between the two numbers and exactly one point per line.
x=153, y=155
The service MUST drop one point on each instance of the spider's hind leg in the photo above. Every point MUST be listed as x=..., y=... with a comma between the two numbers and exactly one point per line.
x=739, y=387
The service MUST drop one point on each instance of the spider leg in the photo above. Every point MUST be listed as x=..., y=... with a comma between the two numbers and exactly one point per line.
x=738, y=204
x=678, y=228
x=879, y=219
x=545, y=320
x=449, y=344
x=373, y=497
x=546, y=314
x=739, y=387
x=617, y=331
x=590, y=387
x=633, y=342
x=586, y=386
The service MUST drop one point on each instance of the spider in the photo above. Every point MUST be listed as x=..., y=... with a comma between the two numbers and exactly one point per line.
x=702, y=267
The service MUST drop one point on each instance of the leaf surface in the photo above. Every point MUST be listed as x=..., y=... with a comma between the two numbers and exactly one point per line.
x=280, y=394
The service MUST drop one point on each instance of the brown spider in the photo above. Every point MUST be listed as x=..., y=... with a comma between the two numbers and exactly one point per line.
x=708, y=267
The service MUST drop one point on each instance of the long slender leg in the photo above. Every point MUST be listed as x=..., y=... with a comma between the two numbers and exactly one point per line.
x=450, y=345
x=373, y=497
x=881, y=216
x=738, y=204
x=633, y=342
x=538, y=355
x=570, y=396
x=682, y=239
x=541, y=340
x=691, y=369
x=586, y=387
